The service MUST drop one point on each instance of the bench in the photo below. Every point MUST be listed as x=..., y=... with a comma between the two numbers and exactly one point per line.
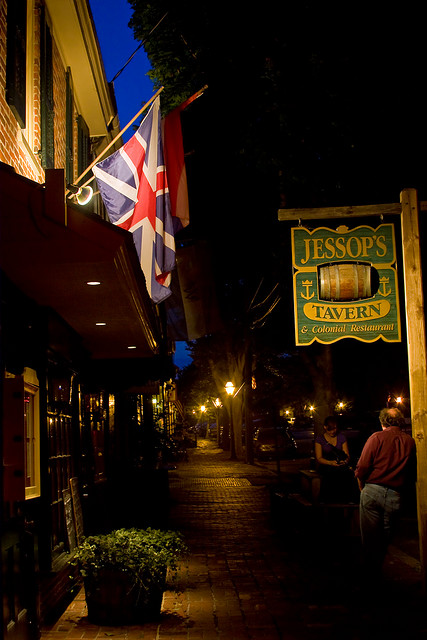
x=341, y=516
x=305, y=505
x=310, y=484
x=302, y=500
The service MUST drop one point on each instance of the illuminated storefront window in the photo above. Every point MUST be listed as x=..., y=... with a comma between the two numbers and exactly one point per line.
x=32, y=434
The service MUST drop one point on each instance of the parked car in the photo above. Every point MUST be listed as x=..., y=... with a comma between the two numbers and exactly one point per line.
x=271, y=443
x=303, y=434
x=357, y=428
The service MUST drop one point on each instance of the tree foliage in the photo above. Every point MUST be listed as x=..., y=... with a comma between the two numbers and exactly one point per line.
x=172, y=48
x=308, y=104
x=306, y=95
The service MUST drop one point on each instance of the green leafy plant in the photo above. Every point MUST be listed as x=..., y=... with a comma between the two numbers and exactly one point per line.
x=144, y=555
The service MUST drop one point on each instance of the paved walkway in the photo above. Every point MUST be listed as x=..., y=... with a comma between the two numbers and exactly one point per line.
x=248, y=578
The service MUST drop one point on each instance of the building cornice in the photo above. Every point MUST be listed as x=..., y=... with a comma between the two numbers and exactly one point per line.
x=75, y=35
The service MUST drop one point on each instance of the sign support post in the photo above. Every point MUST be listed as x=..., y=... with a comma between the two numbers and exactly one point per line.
x=415, y=323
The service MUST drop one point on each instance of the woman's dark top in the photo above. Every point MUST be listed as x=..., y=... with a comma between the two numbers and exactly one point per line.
x=328, y=449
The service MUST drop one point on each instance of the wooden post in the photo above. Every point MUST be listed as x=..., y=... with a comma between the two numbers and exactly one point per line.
x=416, y=355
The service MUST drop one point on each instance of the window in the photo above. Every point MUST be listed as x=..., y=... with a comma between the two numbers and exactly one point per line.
x=32, y=434
x=22, y=60
x=60, y=439
x=94, y=425
x=69, y=168
x=46, y=87
x=83, y=145
x=16, y=59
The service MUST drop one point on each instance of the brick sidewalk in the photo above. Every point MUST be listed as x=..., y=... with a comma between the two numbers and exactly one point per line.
x=246, y=579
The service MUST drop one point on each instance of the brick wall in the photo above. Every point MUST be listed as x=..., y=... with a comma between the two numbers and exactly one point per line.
x=36, y=83
x=8, y=126
x=59, y=98
x=20, y=149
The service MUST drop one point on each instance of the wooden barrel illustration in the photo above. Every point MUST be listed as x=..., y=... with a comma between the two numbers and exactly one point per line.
x=345, y=281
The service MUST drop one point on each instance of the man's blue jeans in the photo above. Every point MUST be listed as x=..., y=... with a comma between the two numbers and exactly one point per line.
x=379, y=511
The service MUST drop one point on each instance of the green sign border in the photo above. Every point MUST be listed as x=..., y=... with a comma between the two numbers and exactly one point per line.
x=367, y=320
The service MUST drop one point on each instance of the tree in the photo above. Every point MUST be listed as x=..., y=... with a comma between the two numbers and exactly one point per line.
x=301, y=110
x=302, y=93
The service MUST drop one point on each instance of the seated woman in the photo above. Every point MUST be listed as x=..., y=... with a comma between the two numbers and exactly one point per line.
x=333, y=457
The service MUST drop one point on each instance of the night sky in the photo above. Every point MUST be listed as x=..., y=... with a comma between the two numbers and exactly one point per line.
x=132, y=87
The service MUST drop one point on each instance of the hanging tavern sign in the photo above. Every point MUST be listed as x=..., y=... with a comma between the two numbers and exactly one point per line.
x=345, y=284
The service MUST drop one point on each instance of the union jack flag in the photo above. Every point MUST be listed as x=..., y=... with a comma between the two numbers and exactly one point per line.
x=133, y=185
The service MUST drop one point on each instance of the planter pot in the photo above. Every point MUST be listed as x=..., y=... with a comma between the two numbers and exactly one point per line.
x=112, y=599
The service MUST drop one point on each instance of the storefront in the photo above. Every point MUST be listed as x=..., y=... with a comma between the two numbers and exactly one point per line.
x=78, y=333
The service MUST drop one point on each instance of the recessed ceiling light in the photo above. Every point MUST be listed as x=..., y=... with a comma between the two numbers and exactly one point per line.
x=100, y=324
x=93, y=283
x=132, y=347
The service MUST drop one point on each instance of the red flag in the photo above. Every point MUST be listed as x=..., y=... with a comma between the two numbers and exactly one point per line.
x=173, y=150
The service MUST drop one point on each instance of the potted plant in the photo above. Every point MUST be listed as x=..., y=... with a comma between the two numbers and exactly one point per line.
x=124, y=573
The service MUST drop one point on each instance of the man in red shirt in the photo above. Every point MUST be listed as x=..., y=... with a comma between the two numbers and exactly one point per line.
x=386, y=467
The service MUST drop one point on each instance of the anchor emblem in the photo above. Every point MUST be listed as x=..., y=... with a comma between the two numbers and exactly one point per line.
x=307, y=284
x=383, y=282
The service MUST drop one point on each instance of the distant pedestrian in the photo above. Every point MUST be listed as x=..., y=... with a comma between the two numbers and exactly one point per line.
x=385, y=471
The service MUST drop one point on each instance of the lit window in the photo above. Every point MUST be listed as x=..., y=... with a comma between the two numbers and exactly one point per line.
x=32, y=434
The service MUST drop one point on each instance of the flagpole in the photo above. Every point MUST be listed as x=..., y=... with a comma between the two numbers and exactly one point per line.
x=196, y=95
x=97, y=159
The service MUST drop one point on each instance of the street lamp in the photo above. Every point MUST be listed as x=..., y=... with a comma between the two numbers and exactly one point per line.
x=203, y=410
x=229, y=388
x=218, y=405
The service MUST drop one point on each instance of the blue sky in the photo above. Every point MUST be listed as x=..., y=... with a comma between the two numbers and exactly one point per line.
x=132, y=87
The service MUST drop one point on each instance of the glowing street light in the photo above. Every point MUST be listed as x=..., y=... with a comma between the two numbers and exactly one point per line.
x=229, y=387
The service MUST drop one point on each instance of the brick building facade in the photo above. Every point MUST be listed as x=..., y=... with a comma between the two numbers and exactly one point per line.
x=76, y=401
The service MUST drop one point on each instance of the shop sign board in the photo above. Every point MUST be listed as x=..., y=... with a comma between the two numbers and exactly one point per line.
x=345, y=284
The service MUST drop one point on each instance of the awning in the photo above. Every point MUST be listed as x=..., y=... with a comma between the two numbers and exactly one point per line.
x=51, y=251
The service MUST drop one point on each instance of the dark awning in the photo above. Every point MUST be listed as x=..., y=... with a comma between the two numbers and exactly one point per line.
x=51, y=250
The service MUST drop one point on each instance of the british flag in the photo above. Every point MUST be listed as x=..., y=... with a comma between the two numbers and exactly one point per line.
x=133, y=185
